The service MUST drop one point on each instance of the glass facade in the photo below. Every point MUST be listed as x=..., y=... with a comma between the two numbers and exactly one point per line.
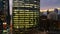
x=4, y=10
x=25, y=14
x=4, y=15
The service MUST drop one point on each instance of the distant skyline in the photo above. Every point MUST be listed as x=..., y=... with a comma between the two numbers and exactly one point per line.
x=46, y=4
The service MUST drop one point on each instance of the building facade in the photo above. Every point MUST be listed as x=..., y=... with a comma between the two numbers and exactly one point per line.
x=25, y=14
x=4, y=13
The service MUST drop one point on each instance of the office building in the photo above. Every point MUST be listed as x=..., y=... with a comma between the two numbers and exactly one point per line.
x=25, y=15
x=4, y=14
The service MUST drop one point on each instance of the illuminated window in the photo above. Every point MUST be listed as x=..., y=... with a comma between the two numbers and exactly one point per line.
x=25, y=14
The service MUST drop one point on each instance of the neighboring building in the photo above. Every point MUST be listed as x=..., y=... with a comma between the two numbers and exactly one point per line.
x=53, y=20
x=53, y=15
x=4, y=10
x=4, y=13
x=25, y=15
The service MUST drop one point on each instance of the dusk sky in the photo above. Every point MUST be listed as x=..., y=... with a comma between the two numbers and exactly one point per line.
x=46, y=4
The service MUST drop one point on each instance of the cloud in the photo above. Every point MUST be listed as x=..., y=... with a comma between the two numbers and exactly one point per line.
x=49, y=3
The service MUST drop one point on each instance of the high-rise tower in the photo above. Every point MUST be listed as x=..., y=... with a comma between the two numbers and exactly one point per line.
x=25, y=14
x=4, y=14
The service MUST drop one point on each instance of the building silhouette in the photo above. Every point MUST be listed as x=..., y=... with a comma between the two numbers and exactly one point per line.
x=25, y=15
x=47, y=11
x=56, y=10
